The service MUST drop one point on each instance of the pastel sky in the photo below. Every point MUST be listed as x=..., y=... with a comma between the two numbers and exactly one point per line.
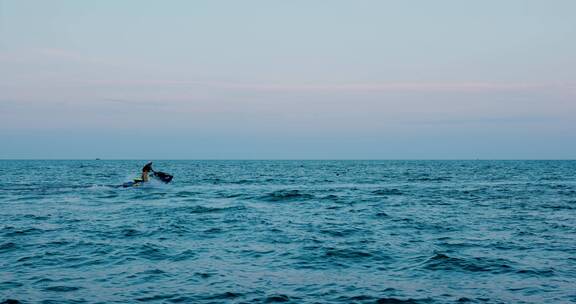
x=298, y=79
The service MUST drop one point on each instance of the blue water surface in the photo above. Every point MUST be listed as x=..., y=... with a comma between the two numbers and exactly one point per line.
x=289, y=231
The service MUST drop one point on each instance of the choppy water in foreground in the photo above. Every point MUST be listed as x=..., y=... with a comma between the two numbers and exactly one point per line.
x=289, y=231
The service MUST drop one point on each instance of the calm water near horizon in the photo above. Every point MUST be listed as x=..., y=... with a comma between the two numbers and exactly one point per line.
x=289, y=231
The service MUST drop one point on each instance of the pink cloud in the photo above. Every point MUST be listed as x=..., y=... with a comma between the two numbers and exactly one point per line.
x=384, y=86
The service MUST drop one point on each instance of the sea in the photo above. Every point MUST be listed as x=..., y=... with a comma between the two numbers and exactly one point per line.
x=288, y=232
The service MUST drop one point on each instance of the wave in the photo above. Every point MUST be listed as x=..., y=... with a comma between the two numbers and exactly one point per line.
x=286, y=195
x=8, y=247
x=403, y=301
x=381, y=300
x=347, y=253
x=392, y=191
x=442, y=261
x=62, y=288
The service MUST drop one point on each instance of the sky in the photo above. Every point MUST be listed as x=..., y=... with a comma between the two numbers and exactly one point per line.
x=298, y=79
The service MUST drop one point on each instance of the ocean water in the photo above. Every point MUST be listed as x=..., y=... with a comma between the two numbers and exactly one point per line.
x=289, y=231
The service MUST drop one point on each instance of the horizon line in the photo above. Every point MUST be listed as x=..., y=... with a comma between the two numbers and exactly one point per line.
x=289, y=159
